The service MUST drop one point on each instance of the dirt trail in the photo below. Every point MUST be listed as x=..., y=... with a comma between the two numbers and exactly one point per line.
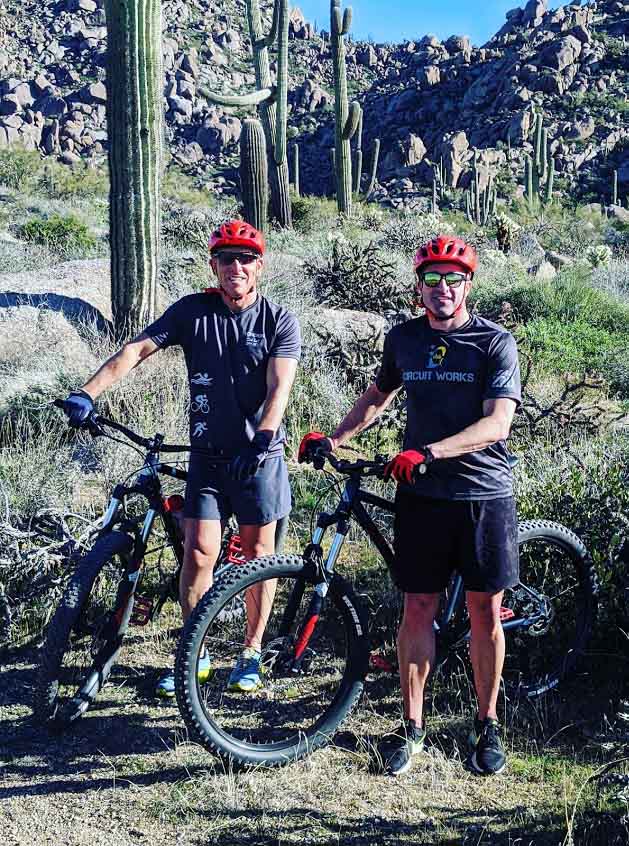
x=127, y=775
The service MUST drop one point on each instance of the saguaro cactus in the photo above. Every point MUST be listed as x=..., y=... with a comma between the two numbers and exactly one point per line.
x=375, y=155
x=615, y=188
x=539, y=171
x=272, y=100
x=296, y=169
x=480, y=204
x=347, y=117
x=358, y=155
x=254, y=173
x=134, y=125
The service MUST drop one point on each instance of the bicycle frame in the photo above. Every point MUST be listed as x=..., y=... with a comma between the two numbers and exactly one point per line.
x=451, y=624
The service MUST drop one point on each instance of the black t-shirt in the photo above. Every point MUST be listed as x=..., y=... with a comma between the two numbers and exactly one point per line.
x=226, y=355
x=447, y=375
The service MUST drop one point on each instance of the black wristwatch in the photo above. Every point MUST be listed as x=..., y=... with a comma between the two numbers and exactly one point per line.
x=423, y=468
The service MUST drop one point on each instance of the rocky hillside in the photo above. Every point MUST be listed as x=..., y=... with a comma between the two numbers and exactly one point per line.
x=428, y=101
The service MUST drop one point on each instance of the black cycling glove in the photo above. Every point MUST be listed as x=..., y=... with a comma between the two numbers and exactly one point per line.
x=78, y=407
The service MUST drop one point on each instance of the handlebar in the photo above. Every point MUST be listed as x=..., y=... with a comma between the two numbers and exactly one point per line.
x=360, y=467
x=94, y=422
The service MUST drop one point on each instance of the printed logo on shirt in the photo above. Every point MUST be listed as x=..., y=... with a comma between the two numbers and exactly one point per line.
x=253, y=339
x=201, y=379
x=437, y=376
x=199, y=430
x=436, y=356
x=200, y=404
x=161, y=339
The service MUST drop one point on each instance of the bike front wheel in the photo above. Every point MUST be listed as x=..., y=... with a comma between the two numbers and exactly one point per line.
x=84, y=636
x=548, y=616
x=298, y=705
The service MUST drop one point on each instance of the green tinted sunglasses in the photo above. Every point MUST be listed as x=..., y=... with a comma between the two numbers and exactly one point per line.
x=431, y=278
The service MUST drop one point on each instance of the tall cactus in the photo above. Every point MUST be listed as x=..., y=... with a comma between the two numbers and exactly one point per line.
x=615, y=188
x=358, y=155
x=272, y=100
x=374, y=168
x=480, y=204
x=254, y=173
x=296, y=169
x=134, y=125
x=347, y=117
x=539, y=171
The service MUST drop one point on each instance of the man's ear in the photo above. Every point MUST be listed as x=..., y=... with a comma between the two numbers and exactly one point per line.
x=213, y=266
x=260, y=264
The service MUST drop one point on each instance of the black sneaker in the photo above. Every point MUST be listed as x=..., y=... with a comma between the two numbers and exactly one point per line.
x=488, y=756
x=396, y=750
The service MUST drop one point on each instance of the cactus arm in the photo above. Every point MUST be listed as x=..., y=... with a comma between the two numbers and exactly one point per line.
x=353, y=119
x=614, y=188
x=252, y=99
x=347, y=20
x=279, y=151
x=267, y=41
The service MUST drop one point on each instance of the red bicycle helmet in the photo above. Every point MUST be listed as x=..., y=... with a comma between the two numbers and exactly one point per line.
x=237, y=233
x=446, y=248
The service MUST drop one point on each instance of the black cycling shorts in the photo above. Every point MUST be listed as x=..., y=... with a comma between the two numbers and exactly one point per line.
x=434, y=537
x=212, y=494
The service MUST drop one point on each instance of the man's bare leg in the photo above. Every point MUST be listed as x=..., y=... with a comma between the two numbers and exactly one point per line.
x=487, y=649
x=202, y=547
x=416, y=650
x=257, y=541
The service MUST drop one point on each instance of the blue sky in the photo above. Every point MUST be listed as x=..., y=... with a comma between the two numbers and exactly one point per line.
x=396, y=20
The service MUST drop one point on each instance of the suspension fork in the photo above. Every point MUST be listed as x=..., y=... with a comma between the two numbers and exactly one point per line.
x=128, y=587
x=314, y=556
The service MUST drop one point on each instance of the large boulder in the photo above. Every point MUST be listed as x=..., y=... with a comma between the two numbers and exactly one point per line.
x=562, y=53
x=218, y=131
x=455, y=152
x=348, y=326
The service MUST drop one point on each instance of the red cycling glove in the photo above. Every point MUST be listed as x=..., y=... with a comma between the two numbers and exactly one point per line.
x=404, y=465
x=309, y=442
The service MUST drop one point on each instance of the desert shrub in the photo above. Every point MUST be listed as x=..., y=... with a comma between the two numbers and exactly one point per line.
x=613, y=279
x=312, y=214
x=191, y=228
x=599, y=255
x=18, y=167
x=82, y=181
x=575, y=347
x=406, y=232
x=63, y=234
x=358, y=277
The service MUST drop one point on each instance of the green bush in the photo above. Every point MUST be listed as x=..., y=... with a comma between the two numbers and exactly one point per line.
x=313, y=214
x=358, y=277
x=82, y=181
x=18, y=167
x=66, y=235
x=575, y=347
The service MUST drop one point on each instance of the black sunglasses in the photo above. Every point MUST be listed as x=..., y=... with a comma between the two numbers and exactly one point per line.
x=228, y=258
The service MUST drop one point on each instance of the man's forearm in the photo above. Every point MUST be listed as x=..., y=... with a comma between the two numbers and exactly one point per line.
x=112, y=371
x=477, y=436
x=367, y=408
x=273, y=410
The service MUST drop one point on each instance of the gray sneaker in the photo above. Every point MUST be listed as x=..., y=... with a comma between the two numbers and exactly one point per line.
x=487, y=752
x=396, y=750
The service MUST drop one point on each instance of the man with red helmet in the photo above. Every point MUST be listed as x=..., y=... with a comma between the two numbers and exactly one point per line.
x=462, y=384
x=241, y=353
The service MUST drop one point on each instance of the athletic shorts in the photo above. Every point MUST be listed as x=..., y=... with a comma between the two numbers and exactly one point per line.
x=434, y=537
x=212, y=494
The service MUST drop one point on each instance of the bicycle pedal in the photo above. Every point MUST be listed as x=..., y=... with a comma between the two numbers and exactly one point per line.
x=235, y=554
x=506, y=614
x=142, y=611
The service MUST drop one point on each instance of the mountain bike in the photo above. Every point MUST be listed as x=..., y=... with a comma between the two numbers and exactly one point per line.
x=109, y=589
x=315, y=652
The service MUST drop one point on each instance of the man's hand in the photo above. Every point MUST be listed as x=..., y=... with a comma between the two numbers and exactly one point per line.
x=251, y=458
x=78, y=407
x=407, y=463
x=311, y=442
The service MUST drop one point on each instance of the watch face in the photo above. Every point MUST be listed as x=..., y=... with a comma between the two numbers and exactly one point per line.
x=422, y=468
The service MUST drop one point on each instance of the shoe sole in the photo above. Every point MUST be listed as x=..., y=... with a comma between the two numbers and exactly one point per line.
x=236, y=688
x=480, y=771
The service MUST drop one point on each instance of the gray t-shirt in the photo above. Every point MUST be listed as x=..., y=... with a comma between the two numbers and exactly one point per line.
x=447, y=375
x=227, y=355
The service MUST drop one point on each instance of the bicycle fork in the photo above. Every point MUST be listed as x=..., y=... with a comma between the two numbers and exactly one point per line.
x=313, y=556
